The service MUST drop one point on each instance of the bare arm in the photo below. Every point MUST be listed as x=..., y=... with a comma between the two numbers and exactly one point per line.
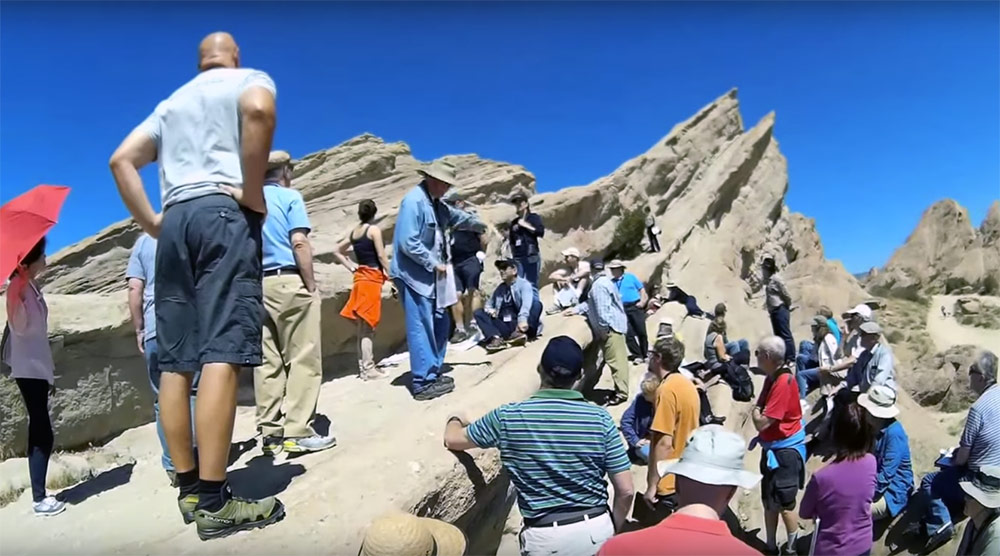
x=302, y=251
x=624, y=493
x=643, y=297
x=720, y=348
x=455, y=436
x=135, y=287
x=376, y=235
x=136, y=151
x=659, y=450
x=340, y=254
x=258, y=117
x=760, y=421
x=961, y=456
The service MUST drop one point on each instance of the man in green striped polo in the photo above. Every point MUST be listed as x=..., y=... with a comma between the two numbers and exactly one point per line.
x=557, y=448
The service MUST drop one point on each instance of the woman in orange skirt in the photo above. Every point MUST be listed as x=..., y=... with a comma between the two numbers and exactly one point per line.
x=370, y=272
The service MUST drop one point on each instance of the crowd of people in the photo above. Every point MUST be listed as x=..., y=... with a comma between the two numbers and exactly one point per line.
x=215, y=287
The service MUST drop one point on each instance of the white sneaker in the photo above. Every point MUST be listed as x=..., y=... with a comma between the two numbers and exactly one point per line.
x=49, y=506
x=313, y=443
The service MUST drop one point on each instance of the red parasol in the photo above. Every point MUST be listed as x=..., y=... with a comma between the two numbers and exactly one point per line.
x=25, y=220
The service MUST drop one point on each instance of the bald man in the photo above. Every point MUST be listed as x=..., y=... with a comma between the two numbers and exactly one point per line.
x=211, y=138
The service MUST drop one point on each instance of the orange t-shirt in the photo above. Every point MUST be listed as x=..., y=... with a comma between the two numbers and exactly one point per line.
x=675, y=413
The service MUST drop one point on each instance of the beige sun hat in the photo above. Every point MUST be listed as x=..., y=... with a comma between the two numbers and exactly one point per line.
x=616, y=263
x=401, y=533
x=278, y=159
x=571, y=252
x=713, y=456
x=441, y=170
x=880, y=401
x=984, y=486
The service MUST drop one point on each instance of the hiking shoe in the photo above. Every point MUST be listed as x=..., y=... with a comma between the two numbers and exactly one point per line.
x=939, y=539
x=48, y=507
x=459, y=336
x=187, y=505
x=238, y=515
x=716, y=420
x=517, y=340
x=495, y=344
x=272, y=445
x=617, y=399
x=436, y=389
x=313, y=443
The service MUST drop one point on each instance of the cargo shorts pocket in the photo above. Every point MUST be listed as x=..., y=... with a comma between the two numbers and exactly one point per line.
x=248, y=310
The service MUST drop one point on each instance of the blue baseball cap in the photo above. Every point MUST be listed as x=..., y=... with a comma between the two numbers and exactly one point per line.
x=562, y=358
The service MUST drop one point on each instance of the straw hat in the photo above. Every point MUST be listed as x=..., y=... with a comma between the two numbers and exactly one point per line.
x=440, y=170
x=399, y=533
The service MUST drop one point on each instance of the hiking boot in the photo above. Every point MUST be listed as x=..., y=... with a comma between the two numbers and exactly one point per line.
x=187, y=505
x=517, y=340
x=436, y=389
x=271, y=446
x=48, y=507
x=238, y=515
x=495, y=344
x=459, y=336
x=313, y=443
x=939, y=539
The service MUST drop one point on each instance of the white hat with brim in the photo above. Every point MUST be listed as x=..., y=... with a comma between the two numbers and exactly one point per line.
x=880, y=401
x=616, y=263
x=441, y=171
x=571, y=252
x=713, y=456
x=862, y=310
x=984, y=486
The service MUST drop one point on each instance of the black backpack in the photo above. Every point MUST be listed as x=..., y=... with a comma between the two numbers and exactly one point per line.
x=739, y=381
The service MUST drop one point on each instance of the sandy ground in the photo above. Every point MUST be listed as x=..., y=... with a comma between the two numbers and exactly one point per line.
x=947, y=332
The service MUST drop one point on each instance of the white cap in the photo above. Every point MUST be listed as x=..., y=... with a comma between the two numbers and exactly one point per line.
x=713, y=456
x=571, y=252
x=862, y=310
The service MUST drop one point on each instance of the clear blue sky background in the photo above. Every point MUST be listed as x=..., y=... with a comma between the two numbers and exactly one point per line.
x=881, y=108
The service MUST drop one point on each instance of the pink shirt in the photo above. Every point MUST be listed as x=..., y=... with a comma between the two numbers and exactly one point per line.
x=27, y=351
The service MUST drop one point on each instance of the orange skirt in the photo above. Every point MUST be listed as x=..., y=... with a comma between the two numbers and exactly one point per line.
x=366, y=296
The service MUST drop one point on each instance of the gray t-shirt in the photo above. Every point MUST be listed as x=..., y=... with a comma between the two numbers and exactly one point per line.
x=197, y=133
x=142, y=265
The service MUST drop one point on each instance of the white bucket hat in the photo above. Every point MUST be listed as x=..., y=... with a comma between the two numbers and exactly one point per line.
x=713, y=456
x=984, y=486
x=571, y=252
x=441, y=170
x=880, y=401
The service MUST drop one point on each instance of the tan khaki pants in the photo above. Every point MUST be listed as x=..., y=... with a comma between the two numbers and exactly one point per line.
x=287, y=384
x=615, y=356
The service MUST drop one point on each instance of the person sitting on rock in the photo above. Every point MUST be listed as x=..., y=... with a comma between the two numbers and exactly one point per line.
x=876, y=366
x=634, y=299
x=557, y=449
x=811, y=377
x=676, y=294
x=982, y=505
x=850, y=348
x=512, y=314
x=638, y=417
x=717, y=347
x=979, y=447
x=894, y=482
x=570, y=283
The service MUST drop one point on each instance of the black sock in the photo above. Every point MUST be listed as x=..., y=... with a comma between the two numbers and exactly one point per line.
x=188, y=482
x=211, y=495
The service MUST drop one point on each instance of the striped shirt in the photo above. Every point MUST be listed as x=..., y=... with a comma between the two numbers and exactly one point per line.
x=557, y=448
x=604, y=307
x=982, y=433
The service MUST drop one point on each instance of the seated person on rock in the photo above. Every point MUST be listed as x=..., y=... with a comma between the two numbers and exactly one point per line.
x=894, y=482
x=717, y=348
x=571, y=283
x=810, y=372
x=512, y=314
x=638, y=417
x=675, y=294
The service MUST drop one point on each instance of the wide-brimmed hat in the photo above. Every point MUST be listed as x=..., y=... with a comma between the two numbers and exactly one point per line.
x=400, y=533
x=862, y=310
x=571, y=252
x=870, y=328
x=984, y=486
x=440, y=170
x=713, y=456
x=818, y=321
x=616, y=263
x=880, y=401
x=277, y=159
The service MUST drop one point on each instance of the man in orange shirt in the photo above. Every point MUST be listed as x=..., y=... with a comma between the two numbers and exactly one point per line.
x=675, y=416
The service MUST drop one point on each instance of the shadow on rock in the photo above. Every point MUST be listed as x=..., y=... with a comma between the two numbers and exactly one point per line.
x=262, y=478
x=103, y=482
x=237, y=449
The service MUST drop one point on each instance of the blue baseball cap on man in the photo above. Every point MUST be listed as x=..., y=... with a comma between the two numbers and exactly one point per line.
x=562, y=358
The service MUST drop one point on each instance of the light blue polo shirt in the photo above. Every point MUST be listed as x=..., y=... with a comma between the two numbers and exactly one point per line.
x=629, y=286
x=286, y=211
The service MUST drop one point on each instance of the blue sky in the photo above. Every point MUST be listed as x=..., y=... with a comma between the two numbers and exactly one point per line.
x=881, y=108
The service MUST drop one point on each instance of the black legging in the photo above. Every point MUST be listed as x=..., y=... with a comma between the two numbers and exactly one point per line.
x=35, y=392
x=636, y=339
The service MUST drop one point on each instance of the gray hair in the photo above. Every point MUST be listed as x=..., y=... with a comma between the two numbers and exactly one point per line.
x=773, y=347
x=986, y=365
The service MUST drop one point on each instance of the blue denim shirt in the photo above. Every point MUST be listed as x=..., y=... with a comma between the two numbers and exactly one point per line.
x=895, y=473
x=416, y=250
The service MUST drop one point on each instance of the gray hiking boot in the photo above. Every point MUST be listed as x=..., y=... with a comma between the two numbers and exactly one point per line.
x=313, y=443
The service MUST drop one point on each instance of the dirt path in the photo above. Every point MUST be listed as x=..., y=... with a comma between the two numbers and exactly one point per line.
x=947, y=332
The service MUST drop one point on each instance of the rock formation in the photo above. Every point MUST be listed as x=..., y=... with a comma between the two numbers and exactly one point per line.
x=716, y=190
x=944, y=254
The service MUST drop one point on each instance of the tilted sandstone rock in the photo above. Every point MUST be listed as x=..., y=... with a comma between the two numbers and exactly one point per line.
x=717, y=192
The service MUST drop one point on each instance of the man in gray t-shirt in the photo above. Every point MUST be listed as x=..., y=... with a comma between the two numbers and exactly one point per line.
x=212, y=138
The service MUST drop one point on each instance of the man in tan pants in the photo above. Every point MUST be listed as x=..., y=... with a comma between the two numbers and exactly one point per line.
x=287, y=384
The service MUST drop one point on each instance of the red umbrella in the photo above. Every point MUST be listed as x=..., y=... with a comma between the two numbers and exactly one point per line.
x=26, y=219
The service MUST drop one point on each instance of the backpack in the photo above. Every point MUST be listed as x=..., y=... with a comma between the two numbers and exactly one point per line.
x=739, y=381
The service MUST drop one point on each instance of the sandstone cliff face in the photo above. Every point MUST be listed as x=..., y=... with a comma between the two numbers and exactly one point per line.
x=717, y=192
x=944, y=254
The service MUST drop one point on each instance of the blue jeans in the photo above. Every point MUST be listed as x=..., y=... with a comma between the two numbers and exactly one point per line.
x=945, y=499
x=736, y=346
x=153, y=367
x=527, y=268
x=426, y=336
x=808, y=380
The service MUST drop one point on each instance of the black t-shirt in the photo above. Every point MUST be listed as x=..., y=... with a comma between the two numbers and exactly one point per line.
x=464, y=244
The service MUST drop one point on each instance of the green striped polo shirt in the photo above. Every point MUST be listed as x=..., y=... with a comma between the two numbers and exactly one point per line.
x=557, y=448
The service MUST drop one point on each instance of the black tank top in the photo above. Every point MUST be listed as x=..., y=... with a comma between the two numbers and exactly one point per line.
x=364, y=250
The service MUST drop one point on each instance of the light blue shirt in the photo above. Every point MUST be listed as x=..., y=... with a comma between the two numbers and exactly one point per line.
x=629, y=286
x=418, y=243
x=522, y=294
x=604, y=307
x=142, y=266
x=286, y=212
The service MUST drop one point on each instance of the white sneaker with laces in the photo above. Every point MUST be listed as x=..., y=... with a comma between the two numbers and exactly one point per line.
x=48, y=507
x=313, y=443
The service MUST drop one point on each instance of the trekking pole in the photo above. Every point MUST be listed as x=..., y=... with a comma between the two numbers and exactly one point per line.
x=812, y=543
